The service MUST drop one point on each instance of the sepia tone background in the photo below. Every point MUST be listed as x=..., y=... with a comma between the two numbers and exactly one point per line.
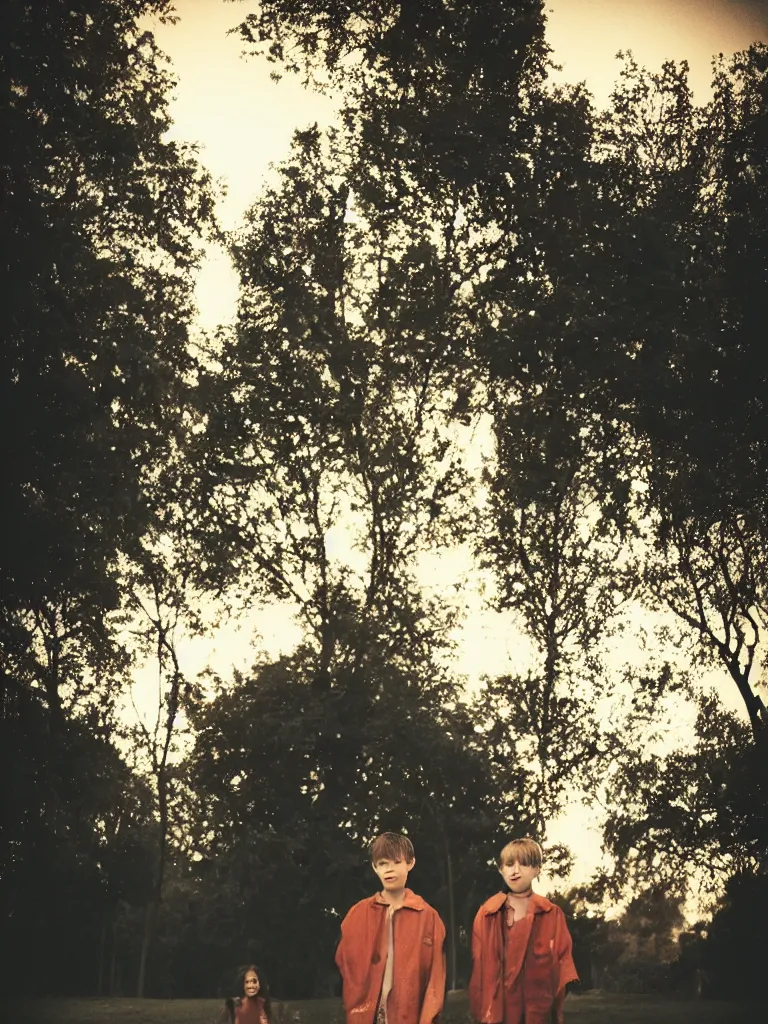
x=387, y=450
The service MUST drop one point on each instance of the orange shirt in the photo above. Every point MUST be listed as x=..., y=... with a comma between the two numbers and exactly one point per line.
x=523, y=979
x=515, y=943
x=251, y=1011
x=245, y=1010
x=418, y=962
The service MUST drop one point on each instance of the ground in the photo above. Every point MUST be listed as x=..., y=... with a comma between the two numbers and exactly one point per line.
x=590, y=1008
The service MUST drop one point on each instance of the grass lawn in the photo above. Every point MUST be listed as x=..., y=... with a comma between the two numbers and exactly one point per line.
x=590, y=1008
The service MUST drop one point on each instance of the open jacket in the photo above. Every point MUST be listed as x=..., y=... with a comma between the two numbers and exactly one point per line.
x=418, y=985
x=545, y=969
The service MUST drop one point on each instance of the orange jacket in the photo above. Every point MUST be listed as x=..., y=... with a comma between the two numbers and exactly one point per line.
x=418, y=984
x=545, y=970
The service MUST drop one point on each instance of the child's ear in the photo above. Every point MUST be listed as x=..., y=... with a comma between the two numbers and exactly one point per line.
x=410, y=864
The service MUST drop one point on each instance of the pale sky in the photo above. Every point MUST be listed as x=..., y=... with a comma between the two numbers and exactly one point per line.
x=243, y=122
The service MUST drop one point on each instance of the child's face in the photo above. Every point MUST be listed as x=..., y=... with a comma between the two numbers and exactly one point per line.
x=251, y=984
x=518, y=877
x=393, y=874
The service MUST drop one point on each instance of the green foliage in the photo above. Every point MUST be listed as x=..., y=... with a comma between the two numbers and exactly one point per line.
x=327, y=409
x=645, y=949
x=412, y=42
x=567, y=569
x=102, y=225
x=103, y=221
x=649, y=926
x=693, y=816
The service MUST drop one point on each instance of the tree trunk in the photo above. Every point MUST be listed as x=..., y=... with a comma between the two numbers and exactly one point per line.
x=113, y=962
x=102, y=956
x=150, y=917
x=451, y=918
x=758, y=716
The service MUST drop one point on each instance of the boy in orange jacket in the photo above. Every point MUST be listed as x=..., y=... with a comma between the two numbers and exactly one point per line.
x=391, y=950
x=521, y=947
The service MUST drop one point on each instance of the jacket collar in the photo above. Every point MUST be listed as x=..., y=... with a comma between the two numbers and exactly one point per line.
x=540, y=904
x=411, y=900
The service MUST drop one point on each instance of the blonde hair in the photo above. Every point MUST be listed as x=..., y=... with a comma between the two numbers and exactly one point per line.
x=525, y=851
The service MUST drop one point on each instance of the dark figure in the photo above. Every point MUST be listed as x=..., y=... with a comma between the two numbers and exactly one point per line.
x=252, y=1006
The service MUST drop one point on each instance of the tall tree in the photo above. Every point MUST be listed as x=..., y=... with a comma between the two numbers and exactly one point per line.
x=455, y=188
x=624, y=284
x=695, y=389
x=102, y=217
x=341, y=393
x=567, y=570
x=326, y=464
x=162, y=606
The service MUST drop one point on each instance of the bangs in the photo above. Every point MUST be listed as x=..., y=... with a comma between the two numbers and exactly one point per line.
x=526, y=852
x=391, y=846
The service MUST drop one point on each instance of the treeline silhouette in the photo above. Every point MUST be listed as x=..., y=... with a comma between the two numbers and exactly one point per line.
x=474, y=262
